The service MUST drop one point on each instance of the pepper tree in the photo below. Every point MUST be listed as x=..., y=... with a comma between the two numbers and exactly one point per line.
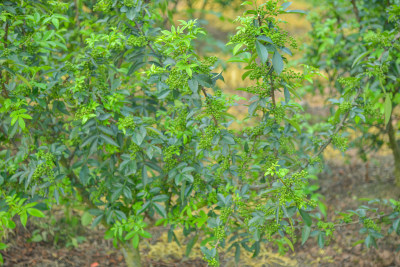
x=356, y=43
x=101, y=104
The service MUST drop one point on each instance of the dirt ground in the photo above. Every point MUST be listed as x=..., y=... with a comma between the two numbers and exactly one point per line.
x=342, y=185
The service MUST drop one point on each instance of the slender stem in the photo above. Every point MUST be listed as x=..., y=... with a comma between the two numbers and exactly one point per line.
x=395, y=150
x=4, y=90
x=356, y=11
x=78, y=23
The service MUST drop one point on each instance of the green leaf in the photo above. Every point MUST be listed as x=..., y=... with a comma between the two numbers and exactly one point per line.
x=388, y=108
x=190, y=244
x=25, y=81
x=55, y=22
x=108, y=140
x=160, y=209
x=3, y=246
x=306, y=217
x=36, y=212
x=193, y=85
x=21, y=123
x=237, y=253
x=130, y=235
x=23, y=218
x=295, y=125
x=135, y=241
x=359, y=58
x=305, y=234
x=297, y=11
x=277, y=62
x=265, y=38
x=290, y=244
x=145, y=234
x=321, y=239
x=262, y=51
x=246, y=3
x=86, y=218
x=285, y=5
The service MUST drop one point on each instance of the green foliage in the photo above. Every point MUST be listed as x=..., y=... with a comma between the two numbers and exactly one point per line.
x=124, y=116
x=356, y=44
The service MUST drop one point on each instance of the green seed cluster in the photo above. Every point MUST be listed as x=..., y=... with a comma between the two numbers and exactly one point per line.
x=70, y=67
x=6, y=52
x=258, y=71
x=45, y=168
x=281, y=38
x=207, y=137
x=225, y=213
x=243, y=166
x=383, y=39
x=22, y=90
x=316, y=141
x=130, y=3
x=177, y=79
x=99, y=54
x=127, y=123
x=270, y=229
x=327, y=227
x=315, y=160
x=286, y=145
x=80, y=84
x=297, y=177
x=340, y=142
x=370, y=224
x=82, y=113
x=219, y=232
x=198, y=183
x=291, y=75
x=206, y=63
x=213, y=262
x=270, y=160
x=169, y=159
x=279, y=113
x=349, y=82
x=371, y=111
x=215, y=106
x=260, y=89
x=103, y=5
x=179, y=122
x=241, y=208
x=134, y=149
x=137, y=41
x=287, y=194
x=347, y=218
x=247, y=36
x=345, y=106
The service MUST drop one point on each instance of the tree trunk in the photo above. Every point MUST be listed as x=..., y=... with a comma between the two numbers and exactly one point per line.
x=131, y=255
x=395, y=150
